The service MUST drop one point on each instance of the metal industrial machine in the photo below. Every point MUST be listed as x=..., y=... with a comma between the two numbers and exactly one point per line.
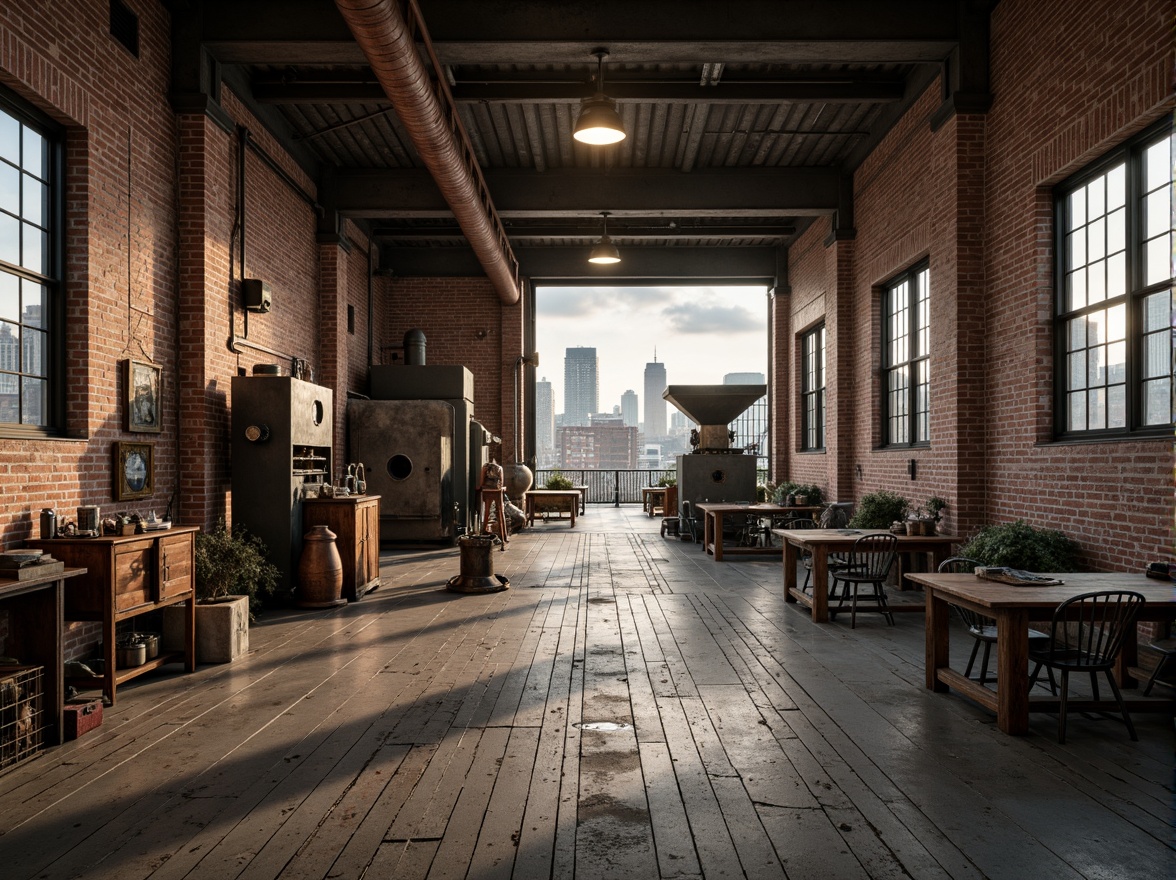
x=715, y=470
x=282, y=431
x=422, y=447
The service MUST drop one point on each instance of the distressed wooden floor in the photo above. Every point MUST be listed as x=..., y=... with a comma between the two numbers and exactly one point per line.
x=629, y=708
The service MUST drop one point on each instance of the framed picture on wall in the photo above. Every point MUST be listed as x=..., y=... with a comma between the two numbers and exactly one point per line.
x=143, y=406
x=134, y=470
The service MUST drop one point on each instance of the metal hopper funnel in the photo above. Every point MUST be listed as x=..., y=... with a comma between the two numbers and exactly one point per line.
x=713, y=407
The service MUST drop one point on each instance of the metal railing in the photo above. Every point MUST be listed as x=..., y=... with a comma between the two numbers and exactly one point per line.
x=609, y=487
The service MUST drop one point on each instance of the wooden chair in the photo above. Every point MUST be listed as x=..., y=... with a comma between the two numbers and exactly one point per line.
x=669, y=512
x=981, y=628
x=1087, y=633
x=867, y=564
x=1167, y=650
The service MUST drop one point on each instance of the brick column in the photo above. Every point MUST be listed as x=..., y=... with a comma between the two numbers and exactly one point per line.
x=331, y=370
x=840, y=422
x=204, y=192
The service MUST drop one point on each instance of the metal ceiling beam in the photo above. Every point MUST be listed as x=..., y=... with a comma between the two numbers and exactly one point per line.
x=735, y=264
x=590, y=231
x=878, y=92
x=285, y=32
x=724, y=192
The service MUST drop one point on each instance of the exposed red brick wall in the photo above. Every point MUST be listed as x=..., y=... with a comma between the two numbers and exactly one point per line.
x=465, y=323
x=153, y=261
x=974, y=198
x=1051, y=117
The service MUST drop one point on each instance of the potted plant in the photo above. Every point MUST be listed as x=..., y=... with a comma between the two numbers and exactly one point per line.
x=879, y=510
x=232, y=573
x=808, y=494
x=1020, y=545
x=935, y=507
x=558, y=481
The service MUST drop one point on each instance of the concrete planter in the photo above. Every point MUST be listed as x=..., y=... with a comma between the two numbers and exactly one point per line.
x=222, y=629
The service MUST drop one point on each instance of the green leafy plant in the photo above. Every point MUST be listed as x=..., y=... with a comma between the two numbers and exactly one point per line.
x=558, y=481
x=782, y=491
x=935, y=507
x=668, y=480
x=811, y=491
x=233, y=563
x=1020, y=545
x=877, y=510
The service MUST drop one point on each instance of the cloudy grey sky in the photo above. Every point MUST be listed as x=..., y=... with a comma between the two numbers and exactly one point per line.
x=701, y=334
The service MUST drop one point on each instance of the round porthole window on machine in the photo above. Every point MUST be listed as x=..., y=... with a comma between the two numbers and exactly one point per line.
x=399, y=467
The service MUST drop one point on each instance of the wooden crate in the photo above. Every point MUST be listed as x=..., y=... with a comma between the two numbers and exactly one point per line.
x=22, y=721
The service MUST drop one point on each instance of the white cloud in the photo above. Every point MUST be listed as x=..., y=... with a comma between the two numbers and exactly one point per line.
x=699, y=333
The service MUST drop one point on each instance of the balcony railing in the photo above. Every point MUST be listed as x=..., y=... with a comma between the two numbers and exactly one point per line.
x=617, y=486
x=609, y=487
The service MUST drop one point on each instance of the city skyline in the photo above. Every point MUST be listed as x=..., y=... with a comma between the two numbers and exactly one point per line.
x=699, y=333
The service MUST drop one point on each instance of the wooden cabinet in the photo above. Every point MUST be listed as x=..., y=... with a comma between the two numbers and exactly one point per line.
x=126, y=577
x=355, y=520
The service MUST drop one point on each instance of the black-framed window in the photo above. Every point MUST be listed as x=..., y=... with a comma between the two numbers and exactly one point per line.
x=906, y=358
x=812, y=389
x=1115, y=298
x=30, y=282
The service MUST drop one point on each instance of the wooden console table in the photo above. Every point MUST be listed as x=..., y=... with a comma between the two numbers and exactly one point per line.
x=355, y=520
x=559, y=499
x=36, y=608
x=126, y=577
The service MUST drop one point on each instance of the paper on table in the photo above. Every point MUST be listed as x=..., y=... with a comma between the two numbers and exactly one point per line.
x=1015, y=576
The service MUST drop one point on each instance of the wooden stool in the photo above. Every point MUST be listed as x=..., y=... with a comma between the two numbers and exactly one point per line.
x=495, y=498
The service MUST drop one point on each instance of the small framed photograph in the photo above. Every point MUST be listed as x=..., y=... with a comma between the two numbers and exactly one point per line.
x=143, y=406
x=134, y=470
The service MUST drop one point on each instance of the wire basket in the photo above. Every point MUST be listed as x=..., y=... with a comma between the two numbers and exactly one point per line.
x=22, y=721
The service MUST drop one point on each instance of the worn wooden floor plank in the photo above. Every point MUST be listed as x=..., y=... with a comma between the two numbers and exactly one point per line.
x=421, y=733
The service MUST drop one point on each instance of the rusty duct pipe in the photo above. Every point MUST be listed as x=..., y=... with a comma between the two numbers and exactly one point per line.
x=386, y=40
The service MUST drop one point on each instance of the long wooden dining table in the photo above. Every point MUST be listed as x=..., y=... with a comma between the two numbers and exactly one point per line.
x=1014, y=608
x=822, y=542
x=713, y=513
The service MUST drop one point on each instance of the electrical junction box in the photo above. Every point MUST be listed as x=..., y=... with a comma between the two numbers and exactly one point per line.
x=257, y=294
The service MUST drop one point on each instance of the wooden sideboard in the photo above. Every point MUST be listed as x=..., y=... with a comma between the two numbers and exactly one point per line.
x=355, y=520
x=126, y=577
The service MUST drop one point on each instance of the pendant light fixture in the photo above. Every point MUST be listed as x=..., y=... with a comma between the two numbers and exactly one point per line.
x=599, y=121
x=604, y=251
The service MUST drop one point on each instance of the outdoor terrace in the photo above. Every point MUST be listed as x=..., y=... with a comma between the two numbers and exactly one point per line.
x=422, y=733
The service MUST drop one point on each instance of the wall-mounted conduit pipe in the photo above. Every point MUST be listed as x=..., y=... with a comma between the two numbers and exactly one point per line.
x=429, y=114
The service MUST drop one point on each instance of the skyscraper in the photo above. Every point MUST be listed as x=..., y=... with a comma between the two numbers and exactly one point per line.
x=580, y=385
x=655, y=405
x=751, y=425
x=544, y=423
x=629, y=408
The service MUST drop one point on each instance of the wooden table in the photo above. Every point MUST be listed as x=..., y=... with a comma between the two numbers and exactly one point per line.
x=36, y=614
x=822, y=542
x=713, y=513
x=563, y=498
x=651, y=497
x=1014, y=608
x=583, y=490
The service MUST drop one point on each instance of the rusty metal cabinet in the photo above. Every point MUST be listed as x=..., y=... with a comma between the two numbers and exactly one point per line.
x=126, y=577
x=355, y=520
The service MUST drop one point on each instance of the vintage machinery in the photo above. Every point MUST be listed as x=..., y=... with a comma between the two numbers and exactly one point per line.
x=715, y=470
x=422, y=447
x=282, y=430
